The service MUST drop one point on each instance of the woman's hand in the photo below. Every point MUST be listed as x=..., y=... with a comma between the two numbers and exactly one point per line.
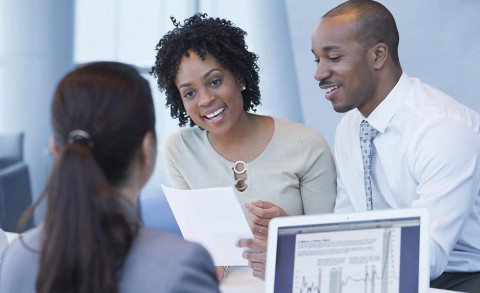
x=259, y=215
x=256, y=255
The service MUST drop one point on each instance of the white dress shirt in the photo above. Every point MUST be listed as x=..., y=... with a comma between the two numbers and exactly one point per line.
x=426, y=155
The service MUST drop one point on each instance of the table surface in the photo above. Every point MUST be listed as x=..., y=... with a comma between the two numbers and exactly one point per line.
x=241, y=280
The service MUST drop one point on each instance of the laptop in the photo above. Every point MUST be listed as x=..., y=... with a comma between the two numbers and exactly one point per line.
x=375, y=252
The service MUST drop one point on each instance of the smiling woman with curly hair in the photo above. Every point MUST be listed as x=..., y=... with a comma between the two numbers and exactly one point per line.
x=278, y=167
x=220, y=39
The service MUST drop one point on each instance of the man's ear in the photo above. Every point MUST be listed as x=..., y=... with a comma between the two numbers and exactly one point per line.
x=54, y=146
x=379, y=55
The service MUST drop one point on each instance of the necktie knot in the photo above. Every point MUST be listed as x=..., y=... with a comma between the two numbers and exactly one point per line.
x=367, y=132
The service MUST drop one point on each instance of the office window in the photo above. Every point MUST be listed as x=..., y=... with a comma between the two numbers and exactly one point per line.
x=124, y=30
x=127, y=31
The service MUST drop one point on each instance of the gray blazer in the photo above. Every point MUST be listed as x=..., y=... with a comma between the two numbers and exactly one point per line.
x=157, y=262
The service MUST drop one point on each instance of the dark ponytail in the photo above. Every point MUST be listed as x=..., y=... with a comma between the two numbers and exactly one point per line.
x=89, y=227
x=87, y=235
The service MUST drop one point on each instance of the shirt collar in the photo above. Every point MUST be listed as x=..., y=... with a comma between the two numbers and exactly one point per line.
x=386, y=110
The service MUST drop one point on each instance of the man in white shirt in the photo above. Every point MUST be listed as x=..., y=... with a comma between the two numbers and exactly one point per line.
x=418, y=147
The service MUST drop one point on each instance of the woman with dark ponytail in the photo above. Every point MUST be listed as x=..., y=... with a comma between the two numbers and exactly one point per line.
x=91, y=239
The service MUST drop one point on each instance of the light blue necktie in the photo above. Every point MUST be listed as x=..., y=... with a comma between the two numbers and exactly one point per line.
x=367, y=134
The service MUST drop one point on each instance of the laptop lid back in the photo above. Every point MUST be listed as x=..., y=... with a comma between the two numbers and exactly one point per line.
x=377, y=251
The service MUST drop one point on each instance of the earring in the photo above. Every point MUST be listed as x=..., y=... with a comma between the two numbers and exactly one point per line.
x=243, y=87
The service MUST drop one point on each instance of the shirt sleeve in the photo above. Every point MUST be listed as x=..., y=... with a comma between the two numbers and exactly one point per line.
x=343, y=203
x=317, y=183
x=445, y=160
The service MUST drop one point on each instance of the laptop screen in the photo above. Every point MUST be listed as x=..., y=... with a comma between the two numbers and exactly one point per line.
x=380, y=255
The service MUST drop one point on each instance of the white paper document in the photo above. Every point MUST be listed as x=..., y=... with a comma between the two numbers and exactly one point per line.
x=212, y=217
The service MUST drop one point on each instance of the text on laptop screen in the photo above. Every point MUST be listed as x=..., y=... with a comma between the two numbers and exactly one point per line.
x=363, y=256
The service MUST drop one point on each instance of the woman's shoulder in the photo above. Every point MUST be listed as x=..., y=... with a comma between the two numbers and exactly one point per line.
x=294, y=127
x=156, y=243
x=161, y=262
x=298, y=132
x=185, y=136
x=185, y=139
x=157, y=237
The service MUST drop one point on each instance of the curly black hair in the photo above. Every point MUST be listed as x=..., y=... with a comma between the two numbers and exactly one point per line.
x=205, y=35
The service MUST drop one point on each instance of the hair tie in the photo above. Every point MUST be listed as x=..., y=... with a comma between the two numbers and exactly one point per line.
x=81, y=135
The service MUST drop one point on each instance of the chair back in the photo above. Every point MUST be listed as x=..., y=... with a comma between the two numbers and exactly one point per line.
x=156, y=213
x=15, y=185
x=11, y=149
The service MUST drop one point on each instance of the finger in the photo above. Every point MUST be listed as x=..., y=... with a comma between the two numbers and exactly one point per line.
x=259, y=274
x=259, y=231
x=261, y=213
x=254, y=257
x=252, y=243
x=264, y=234
x=260, y=235
x=254, y=218
x=262, y=204
x=257, y=266
x=257, y=220
x=258, y=269
x=265, y=209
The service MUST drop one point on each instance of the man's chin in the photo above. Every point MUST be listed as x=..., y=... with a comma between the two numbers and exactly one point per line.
x=342, y=108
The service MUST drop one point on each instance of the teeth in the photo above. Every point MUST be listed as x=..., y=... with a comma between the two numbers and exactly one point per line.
x=331, y=89
x=214, y=114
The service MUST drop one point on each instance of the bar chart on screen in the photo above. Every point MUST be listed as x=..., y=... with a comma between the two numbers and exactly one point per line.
x=357, y=261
